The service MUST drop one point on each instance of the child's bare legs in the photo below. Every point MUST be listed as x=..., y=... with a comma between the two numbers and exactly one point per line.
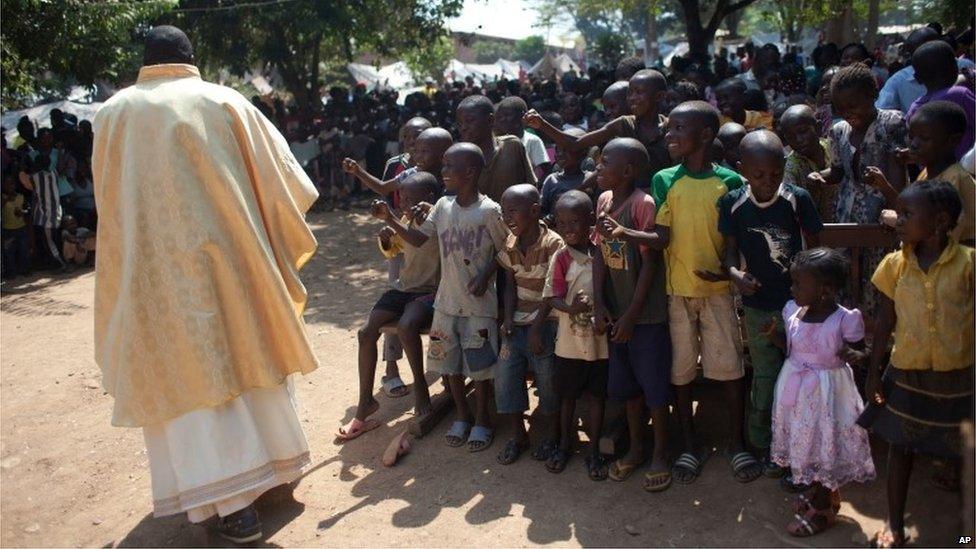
x=482, y=396
x=567, y=417
x=683, y=403
x=416, y=316
x=635, y=429
x=368, y=336
x=594, y=430
x=735, y=400
x=900, y=462
x=659, y=420
x=456, y=384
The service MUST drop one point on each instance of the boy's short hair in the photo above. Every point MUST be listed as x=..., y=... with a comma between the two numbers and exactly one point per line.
x=480, y=103
x=827, y=264
x=703, y=111
x=628, y=66
x=575, y=200
x=857, y=77
x=657, y=79
x=950, y=117
x=688, y=90
x=513, y=102
x=637, y=154
x=737, y=83
x=940, y=196
x=426, y=180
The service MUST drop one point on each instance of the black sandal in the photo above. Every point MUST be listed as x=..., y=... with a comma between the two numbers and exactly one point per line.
x=596, y=467
x=557, y=460
x=511, y=452
x=545, y=450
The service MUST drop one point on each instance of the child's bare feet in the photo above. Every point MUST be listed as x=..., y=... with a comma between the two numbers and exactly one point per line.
x=367, y=408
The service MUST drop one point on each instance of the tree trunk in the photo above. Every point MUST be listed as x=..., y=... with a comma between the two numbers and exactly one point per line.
x=871, y=35
x=840, y=28
x=700, y=37
x=651, y=50
x=732, y=21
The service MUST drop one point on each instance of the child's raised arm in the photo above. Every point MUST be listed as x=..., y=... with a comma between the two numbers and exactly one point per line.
x=410, y=234
x=382, y=188
x=657, y=239
x=564, y=140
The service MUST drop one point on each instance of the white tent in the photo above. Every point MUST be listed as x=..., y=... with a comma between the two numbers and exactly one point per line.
x=396, y=75
x=556, y=65
x=40, y=115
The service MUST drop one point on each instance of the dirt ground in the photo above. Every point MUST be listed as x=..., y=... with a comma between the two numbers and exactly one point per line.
x=68, y=478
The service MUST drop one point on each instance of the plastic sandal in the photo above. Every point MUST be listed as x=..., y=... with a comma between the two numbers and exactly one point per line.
x=482, y=434
x=457, y=434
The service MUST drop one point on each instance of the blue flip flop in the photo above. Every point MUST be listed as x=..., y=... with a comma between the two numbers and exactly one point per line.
x=457, y=434
x=482, y=434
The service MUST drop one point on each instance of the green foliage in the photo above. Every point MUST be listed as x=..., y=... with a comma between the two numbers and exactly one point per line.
x=296, y=36
x=530, y=48
x=489, y=51
x=430, y=58
x=49, y=44
x=610, y=48
x=956, y=13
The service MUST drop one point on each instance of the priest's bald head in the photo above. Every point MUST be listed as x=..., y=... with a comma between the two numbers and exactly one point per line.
x=167, y=44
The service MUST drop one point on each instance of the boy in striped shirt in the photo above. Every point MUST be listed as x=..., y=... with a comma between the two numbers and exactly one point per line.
x=529, y=330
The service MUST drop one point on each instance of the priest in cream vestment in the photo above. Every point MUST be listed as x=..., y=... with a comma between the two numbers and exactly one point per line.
x=198, y=302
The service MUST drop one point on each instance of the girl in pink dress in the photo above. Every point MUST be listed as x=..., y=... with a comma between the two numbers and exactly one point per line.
x=816, y=402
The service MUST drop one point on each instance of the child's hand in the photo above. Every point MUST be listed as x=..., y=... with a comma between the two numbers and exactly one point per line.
x=711, y=276
x=350, y=166
x=601, y=319
x=608, y=227
x=816, y=178
x=532, y=119
x=889, y=218
x=622, y=329
x=872, y=175
x=906, y=156
x=508, y=327
x=850, y=355
x=380, y=210
x=418, y=214
x=745, y=282
x=873, y=388
x=386, y=236
x=769, y=328
x=478, y=285
x=580, y=304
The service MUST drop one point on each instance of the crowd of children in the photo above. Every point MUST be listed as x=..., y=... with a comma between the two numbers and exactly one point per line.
x=49, y=216
x=655, y=235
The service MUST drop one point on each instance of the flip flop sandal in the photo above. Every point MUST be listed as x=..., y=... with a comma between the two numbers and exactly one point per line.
x=557, y=461
x=457, y=434
x=652, y=481
x=480, y=434
x=741, y=463
x=544, y=450
x=770, y=468
x=392, y=384
x=691, y=464
x=398, y=447
x=803, y=503
x=596, y=467
x=356, y=430
x=511, y=452
x=620, y=471
x=885, y=538
x=806, y=525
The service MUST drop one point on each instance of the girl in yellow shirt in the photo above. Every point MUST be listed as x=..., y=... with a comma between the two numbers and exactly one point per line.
x=925, y=293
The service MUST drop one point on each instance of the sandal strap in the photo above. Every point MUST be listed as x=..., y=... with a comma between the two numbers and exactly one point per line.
x=805, y=524
x=742, y=460
x=458, y=429
x=688, y=461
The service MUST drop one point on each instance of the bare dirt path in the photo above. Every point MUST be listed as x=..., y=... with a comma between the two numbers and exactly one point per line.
x=67, y=478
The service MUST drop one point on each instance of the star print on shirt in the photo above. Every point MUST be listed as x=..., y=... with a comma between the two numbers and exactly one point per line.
x=615, y=254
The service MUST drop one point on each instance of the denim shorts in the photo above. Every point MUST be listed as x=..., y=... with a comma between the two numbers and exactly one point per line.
x=514, y=360
x=463, y=345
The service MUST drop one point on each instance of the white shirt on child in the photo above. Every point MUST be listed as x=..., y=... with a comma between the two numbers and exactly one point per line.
x=571, y=273
x=469, y=239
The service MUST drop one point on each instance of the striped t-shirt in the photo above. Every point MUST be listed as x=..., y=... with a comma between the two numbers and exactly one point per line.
x=47, y=200
x=530, y=270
